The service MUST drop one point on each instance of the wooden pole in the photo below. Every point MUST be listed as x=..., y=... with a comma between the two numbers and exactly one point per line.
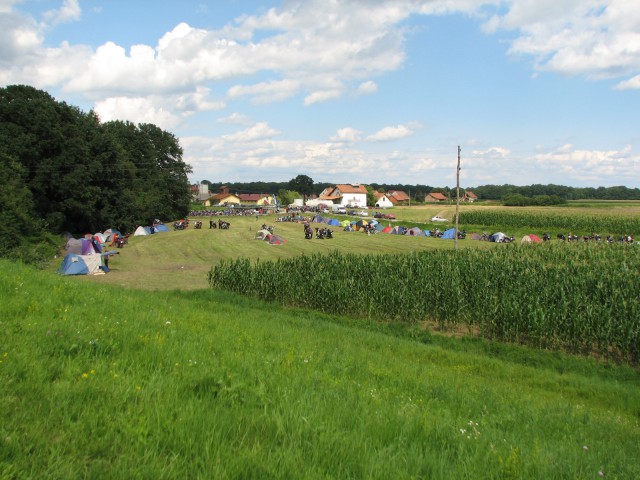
x=455, y=238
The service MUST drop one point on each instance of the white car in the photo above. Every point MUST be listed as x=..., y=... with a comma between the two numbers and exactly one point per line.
x=363, y=214
x=438, y=219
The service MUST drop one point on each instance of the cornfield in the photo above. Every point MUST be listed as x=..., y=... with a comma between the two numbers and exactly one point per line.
x=582, y=297
x=587, y=224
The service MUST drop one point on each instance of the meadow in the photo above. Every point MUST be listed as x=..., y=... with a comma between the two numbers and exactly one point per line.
x=146, y=372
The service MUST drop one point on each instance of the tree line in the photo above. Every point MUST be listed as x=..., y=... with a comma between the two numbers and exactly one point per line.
x=63, y=170
x=511, y=194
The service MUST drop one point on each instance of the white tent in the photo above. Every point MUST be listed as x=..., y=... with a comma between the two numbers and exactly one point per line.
x=141, y=231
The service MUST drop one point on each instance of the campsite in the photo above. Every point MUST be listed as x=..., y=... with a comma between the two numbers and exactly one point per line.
x=148, y=359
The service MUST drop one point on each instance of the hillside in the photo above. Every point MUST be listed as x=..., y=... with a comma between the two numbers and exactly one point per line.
x=114, y=382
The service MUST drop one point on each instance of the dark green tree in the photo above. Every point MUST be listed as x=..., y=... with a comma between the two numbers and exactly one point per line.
x=303, y=185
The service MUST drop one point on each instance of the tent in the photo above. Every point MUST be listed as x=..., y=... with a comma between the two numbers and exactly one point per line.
x=379, y=227
x=348, y=228
x=449, y=234
x=161, y=227
x=535, y=238
x=497, y=237
x=317, y=219
x=73, y=264
x=361, y=223
x=263, y=234
x=387, y=229
x=397, y=230
x=81, y=246
x=334, y=222
x=276, y=240
x=142, y=231
x=345, y=223
x=100, y=237
x=415, y=232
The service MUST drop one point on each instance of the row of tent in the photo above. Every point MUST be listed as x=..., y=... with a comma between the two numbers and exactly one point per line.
x=357, y=225
x=85, y=256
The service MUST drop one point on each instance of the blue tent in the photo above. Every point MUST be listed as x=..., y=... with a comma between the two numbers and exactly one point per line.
x=449, y=234
x=161, y=227
x=334, y=222
x=73, y=264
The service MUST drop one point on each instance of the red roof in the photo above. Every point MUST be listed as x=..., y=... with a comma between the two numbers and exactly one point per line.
x=399, y=195
x=347, y=188
x=437, y=196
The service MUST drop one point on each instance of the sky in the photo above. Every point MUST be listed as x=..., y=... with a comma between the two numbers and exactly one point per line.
x=358, y=91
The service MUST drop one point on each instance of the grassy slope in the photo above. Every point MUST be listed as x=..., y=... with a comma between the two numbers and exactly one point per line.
x=113, y=382
x=103, y=379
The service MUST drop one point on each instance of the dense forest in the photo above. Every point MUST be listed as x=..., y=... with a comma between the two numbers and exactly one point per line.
x=63, y=170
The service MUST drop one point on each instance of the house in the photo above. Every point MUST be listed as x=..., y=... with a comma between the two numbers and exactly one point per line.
x=351, y=195
x=435, y=198
x=222, y=198
x=383, y=200
x=255, y=199
x=470, y=197
x=398, y=197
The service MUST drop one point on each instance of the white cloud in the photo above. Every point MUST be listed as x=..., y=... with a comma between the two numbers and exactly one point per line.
x=266, y=92
x=136, y=110
x=366, y=88
x=391, y=133
x=69, y=11
x=597, y=38
x=259, y=131
x=236, y=119
x=347, y=134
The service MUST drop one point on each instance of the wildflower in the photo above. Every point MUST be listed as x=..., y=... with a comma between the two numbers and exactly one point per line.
x=85, y=375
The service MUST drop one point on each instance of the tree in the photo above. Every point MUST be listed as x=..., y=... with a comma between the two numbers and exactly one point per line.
x=371, y=196
x=286, y=197
x=303, y=185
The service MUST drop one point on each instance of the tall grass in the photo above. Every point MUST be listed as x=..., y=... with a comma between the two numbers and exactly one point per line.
x=583, y=297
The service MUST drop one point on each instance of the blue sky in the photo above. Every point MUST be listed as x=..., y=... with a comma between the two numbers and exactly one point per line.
x=360, y=91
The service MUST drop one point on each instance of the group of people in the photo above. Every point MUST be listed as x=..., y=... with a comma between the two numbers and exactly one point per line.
x=321, y=233
x=222, y=224
x=593, y=237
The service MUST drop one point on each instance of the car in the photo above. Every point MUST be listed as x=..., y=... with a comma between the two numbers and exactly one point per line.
x=378, y=215
x=438, y=218
x=363, y=213
x=389, y=216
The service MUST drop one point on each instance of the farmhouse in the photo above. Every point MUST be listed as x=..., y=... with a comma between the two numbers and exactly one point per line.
x=435, y=198
x=398, y=197
x=222, y=198
x=352, y=195
x=470, y=197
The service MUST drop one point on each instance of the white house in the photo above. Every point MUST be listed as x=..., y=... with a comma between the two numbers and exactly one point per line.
x=351, y=195
x=383, y=201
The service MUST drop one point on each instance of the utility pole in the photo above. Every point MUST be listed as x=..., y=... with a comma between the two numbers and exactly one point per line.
x=455, y=238
x=409, y=198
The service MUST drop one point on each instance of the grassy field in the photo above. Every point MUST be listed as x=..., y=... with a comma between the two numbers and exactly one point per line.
x=101, y=381
x=181, y=259
x=147, y=373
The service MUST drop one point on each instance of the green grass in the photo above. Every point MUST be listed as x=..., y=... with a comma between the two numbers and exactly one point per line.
x=111, y=382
